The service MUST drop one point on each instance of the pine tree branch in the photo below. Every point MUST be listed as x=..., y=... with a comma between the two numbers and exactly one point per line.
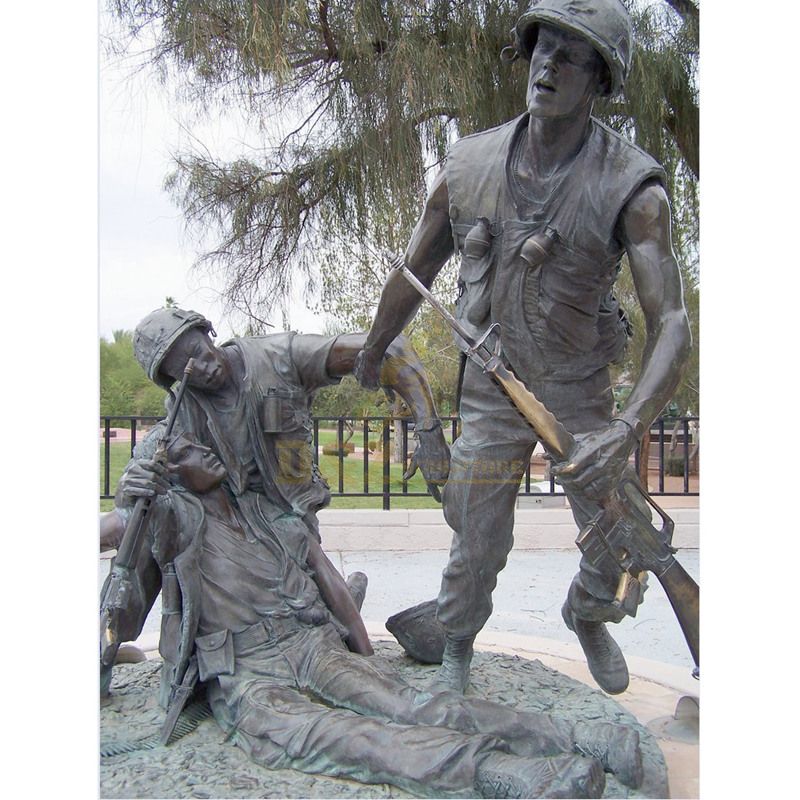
x=327, y=35
x=431, y=113
x=684, y=138
x=686, y=8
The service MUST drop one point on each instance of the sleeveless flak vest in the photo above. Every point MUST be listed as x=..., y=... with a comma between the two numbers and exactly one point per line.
x=560, y=320
x=279, y=427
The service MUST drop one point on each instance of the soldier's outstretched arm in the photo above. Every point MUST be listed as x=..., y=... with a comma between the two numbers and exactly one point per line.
x=599, y=458
x=401, y=371
x=430, y=246
x=337, y=597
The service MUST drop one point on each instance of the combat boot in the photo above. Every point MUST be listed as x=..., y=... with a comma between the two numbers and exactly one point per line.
x=501, y=775
x=453, y=675
x=357, y=586
x=603, y=656
x=617, y=748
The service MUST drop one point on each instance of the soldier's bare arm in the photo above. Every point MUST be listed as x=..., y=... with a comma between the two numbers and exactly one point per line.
x=337, y=597
x=401, y=371
x=599, y=458
x=430, y=246
x=648, y=240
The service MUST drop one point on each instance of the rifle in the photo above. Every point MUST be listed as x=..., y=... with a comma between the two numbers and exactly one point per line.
x=120, y=585
x=620, y=533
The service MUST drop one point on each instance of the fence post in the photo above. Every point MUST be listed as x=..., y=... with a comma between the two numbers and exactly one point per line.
x=686, y=455
x=133, y=434
x=365, y=464
x=387, y=475
x=107, y=450
x=340, y=451
x=404, y=427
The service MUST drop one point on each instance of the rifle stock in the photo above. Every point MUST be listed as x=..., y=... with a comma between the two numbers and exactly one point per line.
x=622, y=534
x=684, y=597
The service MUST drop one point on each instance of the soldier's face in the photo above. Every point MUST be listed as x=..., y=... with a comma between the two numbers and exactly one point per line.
x=210, y=373
x=197, y=466
x=564, y=75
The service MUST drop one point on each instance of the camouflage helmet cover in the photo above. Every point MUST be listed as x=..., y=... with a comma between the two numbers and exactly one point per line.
x=606, y=24
x=157, y=332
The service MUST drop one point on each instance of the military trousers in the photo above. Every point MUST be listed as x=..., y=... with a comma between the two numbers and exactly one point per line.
x=488, y=462
x=307, y=703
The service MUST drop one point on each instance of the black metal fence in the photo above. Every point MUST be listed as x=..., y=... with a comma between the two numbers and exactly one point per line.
x=673, y=456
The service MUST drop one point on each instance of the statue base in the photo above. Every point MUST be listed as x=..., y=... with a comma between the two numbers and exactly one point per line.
x=200, y=765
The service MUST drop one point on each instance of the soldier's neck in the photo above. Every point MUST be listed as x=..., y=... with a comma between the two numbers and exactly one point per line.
x=228, y=394
x=552, y=143
x=219, y=505
x=217, y=502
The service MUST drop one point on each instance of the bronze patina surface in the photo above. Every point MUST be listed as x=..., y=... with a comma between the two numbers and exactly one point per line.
x=541, y=211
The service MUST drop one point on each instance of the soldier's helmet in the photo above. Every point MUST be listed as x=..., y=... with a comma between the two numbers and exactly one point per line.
x=157, y=332
x=606, y=24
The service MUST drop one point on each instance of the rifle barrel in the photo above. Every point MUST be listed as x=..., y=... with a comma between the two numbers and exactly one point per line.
x=400, y=266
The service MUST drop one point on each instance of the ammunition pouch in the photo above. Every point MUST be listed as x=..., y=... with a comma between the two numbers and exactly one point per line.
x=215, y=655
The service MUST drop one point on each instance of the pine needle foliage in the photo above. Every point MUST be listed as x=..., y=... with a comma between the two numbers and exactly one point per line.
x=358, y=101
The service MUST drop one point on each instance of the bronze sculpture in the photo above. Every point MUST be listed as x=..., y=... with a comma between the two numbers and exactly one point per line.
x=553, y=181
x=243, y=619
x=250, y=400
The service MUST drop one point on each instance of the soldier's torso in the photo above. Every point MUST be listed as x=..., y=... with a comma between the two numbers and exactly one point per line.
x=559, y=321
x=264, y=436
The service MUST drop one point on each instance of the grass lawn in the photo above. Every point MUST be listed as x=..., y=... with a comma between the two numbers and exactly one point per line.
x=119, y=455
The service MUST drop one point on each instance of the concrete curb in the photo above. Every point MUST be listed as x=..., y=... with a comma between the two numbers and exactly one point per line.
x=415, y=530
x=425, y=529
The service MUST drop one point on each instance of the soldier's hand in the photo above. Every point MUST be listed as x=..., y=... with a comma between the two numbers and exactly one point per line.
x=432, y=456
x=143, y=478
x=595, y=465
x=367, y=369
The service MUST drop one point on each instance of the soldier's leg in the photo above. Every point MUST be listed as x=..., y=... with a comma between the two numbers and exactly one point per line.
x=585, y=406
x=487, y=463
x=367, y=687
x=283, y=728
x=530, y=733
x=479, y=502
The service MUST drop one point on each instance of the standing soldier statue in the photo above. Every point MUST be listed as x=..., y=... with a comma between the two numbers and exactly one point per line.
x=555, y=182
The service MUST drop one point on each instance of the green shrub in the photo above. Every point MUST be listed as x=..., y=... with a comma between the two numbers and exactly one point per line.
x=674, y=466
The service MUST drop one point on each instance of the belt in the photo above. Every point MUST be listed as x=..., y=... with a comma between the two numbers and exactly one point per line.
x=265, y=630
